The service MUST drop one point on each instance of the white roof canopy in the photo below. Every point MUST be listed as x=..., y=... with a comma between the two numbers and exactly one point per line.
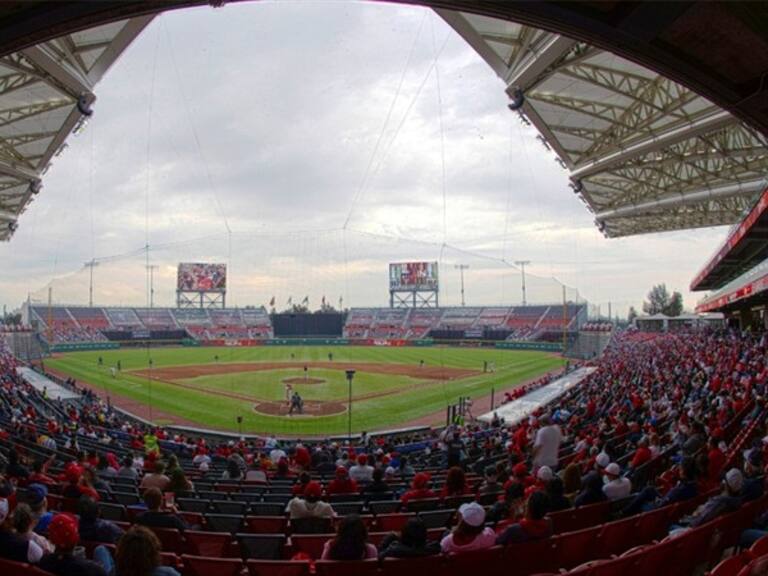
x=46, y=91
x=645, y=153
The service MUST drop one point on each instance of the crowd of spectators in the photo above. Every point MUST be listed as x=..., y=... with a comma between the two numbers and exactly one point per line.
x=665, y=403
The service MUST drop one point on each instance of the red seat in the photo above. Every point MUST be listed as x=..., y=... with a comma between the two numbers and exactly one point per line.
x=266, y=524
x=759, y=548
x=579, y=518
x=491, y=561
x=730, y=566
x=652, y=525
x=530, y=557
x=392, y=522
x=616, y=537
x=614, y=567
x=574, y=548
x=757, y=567
x=311, y=544
x=277, y=568
x=11, y=568
x=412, y=566
x=200, y=566
x=347, y=568
x=215, y=544
x=171, y=540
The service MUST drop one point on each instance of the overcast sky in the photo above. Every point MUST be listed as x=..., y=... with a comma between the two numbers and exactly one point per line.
x=307, y=145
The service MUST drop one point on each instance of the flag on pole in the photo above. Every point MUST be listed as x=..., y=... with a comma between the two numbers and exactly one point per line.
x=322, y=302
x=305, y=302
x=340, y=301
x=290, y=300
x=272, y=302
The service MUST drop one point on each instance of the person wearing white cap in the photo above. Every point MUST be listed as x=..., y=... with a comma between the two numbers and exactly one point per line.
x=13, y=546
x=616, y=486
x=727, y=501
x=544, y=474
x=471, y=533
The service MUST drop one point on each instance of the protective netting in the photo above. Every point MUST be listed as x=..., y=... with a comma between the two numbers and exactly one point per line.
x=341, y=266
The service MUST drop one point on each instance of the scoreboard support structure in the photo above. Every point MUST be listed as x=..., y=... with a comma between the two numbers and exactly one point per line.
x=414, y=298
x=200, y=299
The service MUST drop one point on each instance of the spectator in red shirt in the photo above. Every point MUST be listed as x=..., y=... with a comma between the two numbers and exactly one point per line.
x=342, y=484
x=419, y=489
x=715, y=461
x=642, y=454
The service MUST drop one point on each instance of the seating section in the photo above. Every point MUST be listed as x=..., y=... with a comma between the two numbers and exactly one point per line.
x=513, y=323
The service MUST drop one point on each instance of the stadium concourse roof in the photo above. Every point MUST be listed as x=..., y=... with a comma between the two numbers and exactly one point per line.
x=745, y=247
x=46, y=93
x=645, y=153
x=744, y=291
x=623, y=92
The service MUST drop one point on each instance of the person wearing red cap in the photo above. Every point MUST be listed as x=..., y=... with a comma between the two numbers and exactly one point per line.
x=310, y=506
x=63, y=534
x=76, y=485
x=419, y=489
x=342, y=483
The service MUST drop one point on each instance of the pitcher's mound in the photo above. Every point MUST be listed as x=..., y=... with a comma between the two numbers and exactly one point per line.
x=311, y=408
x=300, y=380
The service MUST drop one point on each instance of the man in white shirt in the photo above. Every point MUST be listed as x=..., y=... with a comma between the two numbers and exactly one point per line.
x=546, y=446
x=361, y=472
x=310, y=506
x=616, y=486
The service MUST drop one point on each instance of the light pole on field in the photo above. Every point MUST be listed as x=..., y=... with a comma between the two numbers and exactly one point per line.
x=523, y=264
x=350, y=376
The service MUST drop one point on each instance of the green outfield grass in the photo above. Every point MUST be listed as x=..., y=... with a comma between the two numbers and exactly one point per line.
x=210, y=404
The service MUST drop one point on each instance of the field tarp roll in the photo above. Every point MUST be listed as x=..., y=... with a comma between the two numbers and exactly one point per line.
x=523, y=345
x=84, y=346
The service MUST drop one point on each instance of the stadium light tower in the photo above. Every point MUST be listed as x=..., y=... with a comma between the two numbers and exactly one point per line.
x=523, y=264
x=91, y=264
x=151, y=268
x=461, y=268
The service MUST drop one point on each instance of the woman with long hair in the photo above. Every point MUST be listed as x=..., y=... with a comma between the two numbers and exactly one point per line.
x=351, y=541
x=455, y=483
x=179, y=483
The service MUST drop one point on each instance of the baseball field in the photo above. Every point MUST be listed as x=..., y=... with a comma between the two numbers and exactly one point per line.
x=213, y=387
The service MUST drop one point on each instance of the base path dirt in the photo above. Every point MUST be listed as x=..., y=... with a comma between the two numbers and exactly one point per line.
x=413, y=370
x=301, y=380
x=311, y=408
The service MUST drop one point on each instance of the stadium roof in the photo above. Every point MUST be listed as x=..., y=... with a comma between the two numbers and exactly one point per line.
x=645, y=153
x=746, y=246
x=46, y=92
x=623, y=92
x=740, y=293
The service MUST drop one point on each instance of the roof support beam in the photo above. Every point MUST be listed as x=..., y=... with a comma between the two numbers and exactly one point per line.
x=7, y=216
x=117, y=46
x=703, y=125
x=73, y=83
x=677, y=200
x=17, y=170
x=534, y=64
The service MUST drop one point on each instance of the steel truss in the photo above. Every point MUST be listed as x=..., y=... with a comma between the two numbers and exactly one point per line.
x=644, y=153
